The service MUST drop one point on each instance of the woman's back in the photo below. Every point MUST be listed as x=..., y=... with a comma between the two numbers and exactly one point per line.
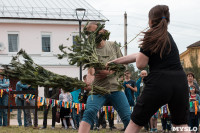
x=169, y=61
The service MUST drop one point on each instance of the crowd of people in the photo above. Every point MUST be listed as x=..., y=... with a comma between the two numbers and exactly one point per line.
x=166, y=92
x=132, y=90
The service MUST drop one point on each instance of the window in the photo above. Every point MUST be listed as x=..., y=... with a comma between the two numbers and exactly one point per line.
x=74, y=42
x=46, y=43
x=13, y=42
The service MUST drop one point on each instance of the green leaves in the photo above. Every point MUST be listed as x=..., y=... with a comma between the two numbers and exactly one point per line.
x=35, y=75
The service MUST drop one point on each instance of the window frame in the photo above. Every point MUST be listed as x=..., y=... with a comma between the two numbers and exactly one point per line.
x=18, y=40
x=50, y=35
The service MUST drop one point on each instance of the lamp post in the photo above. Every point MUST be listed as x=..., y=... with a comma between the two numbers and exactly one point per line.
x=80, y=13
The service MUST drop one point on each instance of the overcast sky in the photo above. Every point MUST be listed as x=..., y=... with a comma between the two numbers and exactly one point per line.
x=184, y=25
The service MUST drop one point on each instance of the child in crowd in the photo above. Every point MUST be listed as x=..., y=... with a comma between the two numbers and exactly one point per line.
x=65, y=112
x=165, y=118
x=194, y=108
x=153, y=122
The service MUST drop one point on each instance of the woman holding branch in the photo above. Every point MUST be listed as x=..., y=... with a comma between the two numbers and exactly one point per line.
x=167, y=82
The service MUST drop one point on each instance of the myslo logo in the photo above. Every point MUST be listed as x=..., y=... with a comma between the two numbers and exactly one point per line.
x=184, y=129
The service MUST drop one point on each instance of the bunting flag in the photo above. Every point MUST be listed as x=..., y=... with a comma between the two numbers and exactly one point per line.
x=50, y=101
x=105, y=112
x=33, y=97
x=103, y=108
x=42, y=103
x=53, y=102
x=77, y=108
x=1, y=92
x=111, y=113
x=39, y=101
x=30, y=97
x=47, y=100
x=63, y=104
x=80, y=107
x=83, y=107
x=191, y=104
x=195, y=105
x=109, y=109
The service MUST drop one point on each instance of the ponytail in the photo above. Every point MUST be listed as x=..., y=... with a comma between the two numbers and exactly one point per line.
x=156, y=38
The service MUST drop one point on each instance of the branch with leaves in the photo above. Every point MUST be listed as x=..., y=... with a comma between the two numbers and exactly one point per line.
x=35, y=75
x=84, y=51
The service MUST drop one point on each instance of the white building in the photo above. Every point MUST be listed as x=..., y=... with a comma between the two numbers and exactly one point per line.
x=39, y=27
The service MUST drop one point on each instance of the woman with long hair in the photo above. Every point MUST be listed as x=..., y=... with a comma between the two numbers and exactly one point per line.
x=166, y=82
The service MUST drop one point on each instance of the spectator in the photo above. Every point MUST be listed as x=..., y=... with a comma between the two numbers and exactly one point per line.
x=30, y=101
x=102, y=120
x=130, y=87
x=65, y=112
x=75, y=116
x=165, y=118
x=4, y=84
x=140, y=84
x=20, y=101
x=194, y=108
x=190, y=78
x=153, y=122
x=52, y=93
x=83, y=97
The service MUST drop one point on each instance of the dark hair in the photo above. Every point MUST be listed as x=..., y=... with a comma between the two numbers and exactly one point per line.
x=127, y=71
x=84, y=77
x=194, y=87
x=156, y=38
x=190, y=73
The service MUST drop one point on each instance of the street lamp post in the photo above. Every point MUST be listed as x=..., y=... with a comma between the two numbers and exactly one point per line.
x=80, y=13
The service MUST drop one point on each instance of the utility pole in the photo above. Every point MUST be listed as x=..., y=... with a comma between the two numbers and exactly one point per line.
x=125, y=35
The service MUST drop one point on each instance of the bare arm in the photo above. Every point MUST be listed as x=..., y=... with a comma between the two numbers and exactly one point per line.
x=126, y=59
x=133, y=88
x=141, y=60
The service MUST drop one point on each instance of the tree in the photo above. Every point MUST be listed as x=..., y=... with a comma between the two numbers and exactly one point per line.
x=134, y=74
x=195, y=68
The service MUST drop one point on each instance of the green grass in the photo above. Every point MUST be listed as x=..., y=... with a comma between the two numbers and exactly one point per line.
x=16, y=129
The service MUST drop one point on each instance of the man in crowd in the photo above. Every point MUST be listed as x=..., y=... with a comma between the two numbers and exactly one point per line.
x=20, y=101
x=4, y=84
x=130, y=87
x=140, y=84
x=51, y=93
x=30, y=101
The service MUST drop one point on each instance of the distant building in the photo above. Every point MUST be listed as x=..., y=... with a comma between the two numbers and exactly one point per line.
x=39, y=27
x=192, y=50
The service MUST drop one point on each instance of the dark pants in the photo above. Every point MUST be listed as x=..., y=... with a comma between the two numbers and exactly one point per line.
x=102, y=120
x=46, y=110
x=75, y=117
x=3, y=112
x=194, y=120
x=147, y=126
x=166, y=123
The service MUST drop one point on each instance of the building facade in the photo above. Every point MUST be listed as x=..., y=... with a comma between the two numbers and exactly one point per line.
x=192, y=50
x=39, y=27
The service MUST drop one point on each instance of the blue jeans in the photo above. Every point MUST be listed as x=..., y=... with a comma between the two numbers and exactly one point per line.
x=76, y=117
x=118, y=101
x=3, y=112
x=20, y=102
